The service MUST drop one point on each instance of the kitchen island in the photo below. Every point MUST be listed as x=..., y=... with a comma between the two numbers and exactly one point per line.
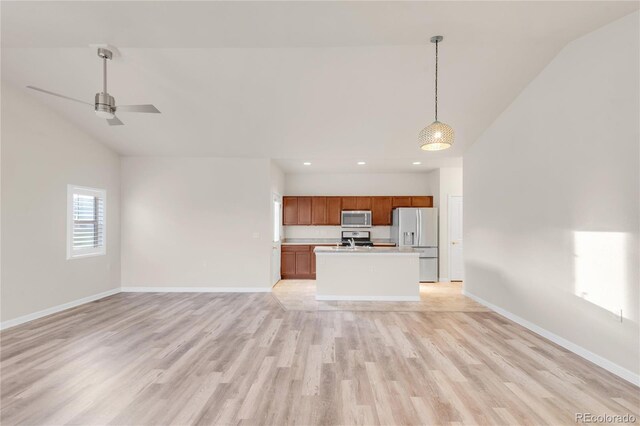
x=367, y=273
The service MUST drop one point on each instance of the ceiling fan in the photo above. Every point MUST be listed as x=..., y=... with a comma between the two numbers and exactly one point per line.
x=105, y=104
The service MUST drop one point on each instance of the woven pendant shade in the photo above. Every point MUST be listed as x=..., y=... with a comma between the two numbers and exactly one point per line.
x=437, y=135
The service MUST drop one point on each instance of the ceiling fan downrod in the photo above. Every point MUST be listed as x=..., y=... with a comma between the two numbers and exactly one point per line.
x=105, y=104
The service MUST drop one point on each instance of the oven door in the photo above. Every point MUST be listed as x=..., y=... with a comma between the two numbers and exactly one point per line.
x=356, y=219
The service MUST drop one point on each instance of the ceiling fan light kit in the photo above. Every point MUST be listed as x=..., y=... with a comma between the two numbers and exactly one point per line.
x=104, y=104
x=437, y=135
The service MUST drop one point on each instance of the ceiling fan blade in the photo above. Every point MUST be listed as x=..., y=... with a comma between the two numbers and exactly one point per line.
x=59, y=95
x=138, y=108
x=115, y=121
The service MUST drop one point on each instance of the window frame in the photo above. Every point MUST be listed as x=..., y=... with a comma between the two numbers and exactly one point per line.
x=92, y=251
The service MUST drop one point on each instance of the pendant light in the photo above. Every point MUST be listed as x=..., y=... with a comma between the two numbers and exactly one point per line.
x=436, y=136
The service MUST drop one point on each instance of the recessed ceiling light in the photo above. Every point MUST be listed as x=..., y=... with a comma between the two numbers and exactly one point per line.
x=416, y=163
x=361, y=163
x=306, y=163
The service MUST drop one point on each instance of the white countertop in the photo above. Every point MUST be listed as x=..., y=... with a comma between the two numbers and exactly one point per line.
x=341, y=251
x=327, y=241
x=310, y=241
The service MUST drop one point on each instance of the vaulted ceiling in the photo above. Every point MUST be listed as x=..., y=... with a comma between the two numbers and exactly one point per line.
x=326, y=82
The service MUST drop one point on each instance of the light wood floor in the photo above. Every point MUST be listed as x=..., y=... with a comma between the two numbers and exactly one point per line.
x=300, y=295
x=185, y=358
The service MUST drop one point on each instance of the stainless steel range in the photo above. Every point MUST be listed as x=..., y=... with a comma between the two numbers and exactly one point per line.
x=356, y=238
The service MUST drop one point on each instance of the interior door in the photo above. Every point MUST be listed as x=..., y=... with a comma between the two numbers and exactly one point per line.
x=456, y=262
x=276, y=245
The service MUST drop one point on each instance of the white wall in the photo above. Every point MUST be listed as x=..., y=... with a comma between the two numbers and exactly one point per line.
x=433, y=186
x=277, y=178
x=196, y=222
x=357, y=184
x=449, y=183
x=41, y=154
x=551, y=213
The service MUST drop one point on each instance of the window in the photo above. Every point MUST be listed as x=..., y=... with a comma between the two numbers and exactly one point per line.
x=86, y=221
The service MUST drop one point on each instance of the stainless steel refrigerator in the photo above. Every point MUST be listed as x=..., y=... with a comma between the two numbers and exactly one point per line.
x=418, y=228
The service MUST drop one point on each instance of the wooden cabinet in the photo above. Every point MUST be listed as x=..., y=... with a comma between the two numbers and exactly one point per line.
x=319, y=210
x=304, y=210
x=363, y=203
x=349, y=203
x=303, y=262
x=401, y=202
x=381, y=211
x=287, y=263
x=295, y=262
x=289, y=210
x=326, y=210
x=334, y=208
x=421, y=201
x=298, y=262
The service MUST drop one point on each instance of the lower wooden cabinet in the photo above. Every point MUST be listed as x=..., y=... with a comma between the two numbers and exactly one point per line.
x=287, y=263
x=303, y=263
x=298, y=262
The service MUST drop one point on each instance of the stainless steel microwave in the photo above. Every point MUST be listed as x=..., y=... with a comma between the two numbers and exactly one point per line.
x=356, y=219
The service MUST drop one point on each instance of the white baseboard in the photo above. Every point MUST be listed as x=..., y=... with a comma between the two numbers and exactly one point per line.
x=371, y=298
x=55, y=309
x=610, y=366
x=196, y=289
x=443, y=280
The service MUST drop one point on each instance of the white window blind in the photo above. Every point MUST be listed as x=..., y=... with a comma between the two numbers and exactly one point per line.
x=86, y=222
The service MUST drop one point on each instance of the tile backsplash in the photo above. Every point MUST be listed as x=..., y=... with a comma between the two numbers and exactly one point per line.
x=377, y=232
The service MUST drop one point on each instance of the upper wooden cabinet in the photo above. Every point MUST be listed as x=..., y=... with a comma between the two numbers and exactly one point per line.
x=401, y=202
x=319, y=210
x=421, y=201
x=363, y=203
x=290, y=210
x=304, y=210
x=349, y=203
x=326, y=210
x=334, y=208
x=381, y=210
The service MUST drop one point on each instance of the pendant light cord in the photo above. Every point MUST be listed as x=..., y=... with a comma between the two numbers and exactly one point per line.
x=436, y=81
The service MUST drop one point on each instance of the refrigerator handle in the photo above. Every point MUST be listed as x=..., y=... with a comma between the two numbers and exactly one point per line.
x=419, y=214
